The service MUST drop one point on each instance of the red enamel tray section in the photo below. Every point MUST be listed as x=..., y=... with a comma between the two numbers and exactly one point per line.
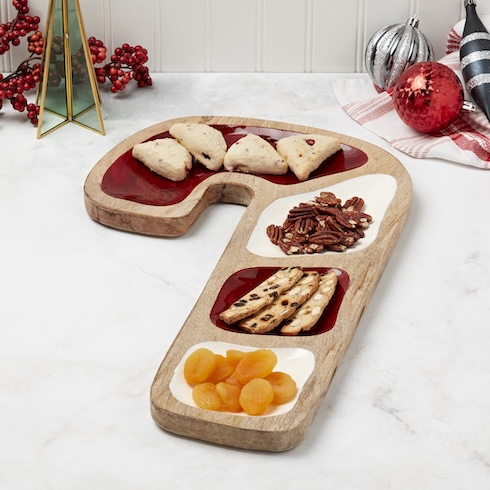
x=129, y=179
x=243, y=281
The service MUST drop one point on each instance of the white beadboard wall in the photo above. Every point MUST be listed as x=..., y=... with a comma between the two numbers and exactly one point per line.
x=251, y=35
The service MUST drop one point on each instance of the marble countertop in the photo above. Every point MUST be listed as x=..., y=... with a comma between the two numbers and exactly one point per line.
x=88, y=313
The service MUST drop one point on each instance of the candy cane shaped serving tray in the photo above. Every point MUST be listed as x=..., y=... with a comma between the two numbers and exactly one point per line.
x=122, y=193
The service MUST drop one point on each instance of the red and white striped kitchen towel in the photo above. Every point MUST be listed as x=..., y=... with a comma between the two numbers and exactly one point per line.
x=466, y=141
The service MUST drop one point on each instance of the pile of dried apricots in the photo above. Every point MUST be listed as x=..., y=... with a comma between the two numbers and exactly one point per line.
x=238, y=381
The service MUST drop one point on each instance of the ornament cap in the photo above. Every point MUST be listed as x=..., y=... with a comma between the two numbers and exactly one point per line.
x=413, y=21
x=469, y=2
x=469, y=106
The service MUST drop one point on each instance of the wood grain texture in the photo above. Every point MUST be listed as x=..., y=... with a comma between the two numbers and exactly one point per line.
x=365, y=267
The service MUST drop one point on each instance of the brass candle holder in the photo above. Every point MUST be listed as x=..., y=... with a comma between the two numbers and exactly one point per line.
x=68, y=91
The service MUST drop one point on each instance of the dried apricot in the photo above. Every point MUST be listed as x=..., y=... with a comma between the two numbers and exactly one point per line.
x=235, y=356
x=230, y=395
x=256, y=396
x=206, y=396
x=199, y=366
x=255, y=364
x=223, y=369
x=232, y=380
x=283, y=386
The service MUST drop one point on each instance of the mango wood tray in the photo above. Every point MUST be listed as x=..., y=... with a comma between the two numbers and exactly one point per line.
x=119, y=193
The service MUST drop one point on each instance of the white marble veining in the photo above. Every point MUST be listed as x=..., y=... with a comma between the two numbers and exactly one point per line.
x=88, y=312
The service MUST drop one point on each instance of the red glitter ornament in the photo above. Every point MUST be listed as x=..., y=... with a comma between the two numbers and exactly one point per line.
x=428, y=96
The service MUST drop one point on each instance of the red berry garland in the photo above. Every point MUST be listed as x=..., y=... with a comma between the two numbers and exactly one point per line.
x=127, y=62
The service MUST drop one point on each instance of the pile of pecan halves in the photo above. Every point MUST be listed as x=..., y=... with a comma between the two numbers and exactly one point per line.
x=321, y=224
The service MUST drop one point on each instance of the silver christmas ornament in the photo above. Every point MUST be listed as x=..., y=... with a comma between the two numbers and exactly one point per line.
x=394, y=48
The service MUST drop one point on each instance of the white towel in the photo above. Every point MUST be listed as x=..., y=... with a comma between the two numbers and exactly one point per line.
x=466, y=140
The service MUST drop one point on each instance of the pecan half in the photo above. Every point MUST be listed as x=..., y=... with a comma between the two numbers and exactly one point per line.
x=353, y=204
x=325, y=237
x=337, y=247
x=304, y=226
x=358, y=218
x=275, y=233
x=328, y=198
x=312, y=248
x=301, y=211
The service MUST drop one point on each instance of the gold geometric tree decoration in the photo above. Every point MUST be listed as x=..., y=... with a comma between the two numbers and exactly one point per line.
x=68, y=91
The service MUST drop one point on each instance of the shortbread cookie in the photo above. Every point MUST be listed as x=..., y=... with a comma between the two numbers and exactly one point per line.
x=262, y=295
x=304, y=153
x=282, y=307
x=206, y=144
x=164, y=156
x=308, y=314
x=254, y=155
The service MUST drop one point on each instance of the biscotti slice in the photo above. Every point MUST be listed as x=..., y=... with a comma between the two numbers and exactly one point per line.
x=254, y=155
x=206, y=144
x=164, y=156
x=262, y=295
x=304, y=153
x=308, y=314
x=282, y=307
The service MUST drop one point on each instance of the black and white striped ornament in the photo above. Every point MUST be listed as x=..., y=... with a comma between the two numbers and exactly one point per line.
x=474, y=53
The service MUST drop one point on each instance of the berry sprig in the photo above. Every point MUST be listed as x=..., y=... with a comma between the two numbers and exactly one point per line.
x=36, y=43
x=127, y=63
x=23, y=79
x=23, y=24
x=8, y=90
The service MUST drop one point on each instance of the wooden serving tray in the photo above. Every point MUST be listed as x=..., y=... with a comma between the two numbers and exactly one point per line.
x=122, y=195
